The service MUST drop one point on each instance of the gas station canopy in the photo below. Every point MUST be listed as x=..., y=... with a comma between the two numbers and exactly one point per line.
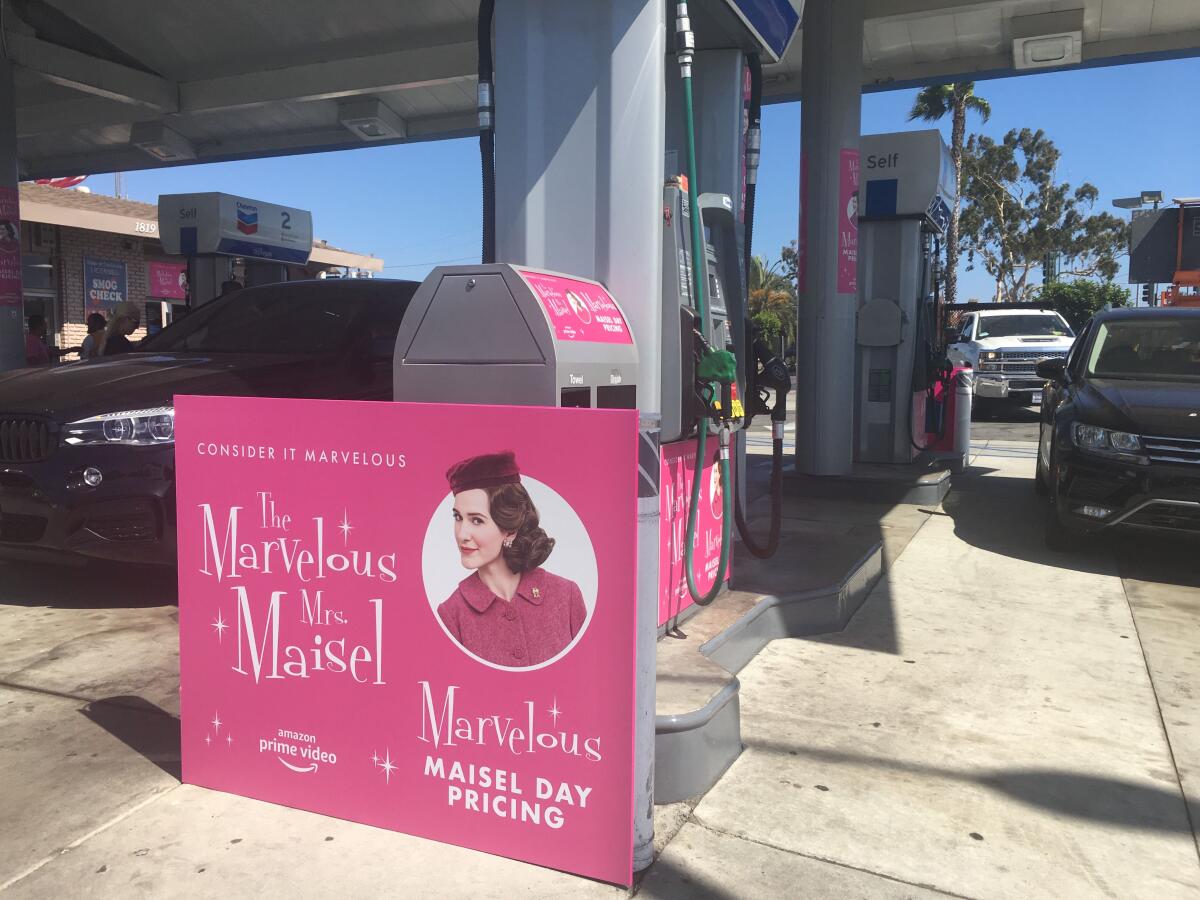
x=103, y=88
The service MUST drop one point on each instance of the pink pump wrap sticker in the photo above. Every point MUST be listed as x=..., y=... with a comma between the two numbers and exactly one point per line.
x=676, y=475
x=848, y=206
x=10, y=249
x=578, y=310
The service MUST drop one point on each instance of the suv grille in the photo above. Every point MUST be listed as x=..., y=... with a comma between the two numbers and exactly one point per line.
x=1178, y=516
x=124, y=520
x=1024, y=362
x=1172, y=450
x=21, y=529
x=24, y=440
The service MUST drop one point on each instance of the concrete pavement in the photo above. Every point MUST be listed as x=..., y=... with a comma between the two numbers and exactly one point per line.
x=987, y=726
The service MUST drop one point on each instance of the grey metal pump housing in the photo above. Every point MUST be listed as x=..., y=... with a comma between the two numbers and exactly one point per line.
x=512, y=335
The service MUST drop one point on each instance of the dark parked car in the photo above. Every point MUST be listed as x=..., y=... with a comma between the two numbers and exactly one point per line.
x=87, y=451
x=1120, y=430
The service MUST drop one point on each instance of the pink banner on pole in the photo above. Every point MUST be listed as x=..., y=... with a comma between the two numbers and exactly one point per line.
x=342, y=652
x=579, y=310
x=847, y=275
x=10, y=249
x=168, y=281
x=677, y=473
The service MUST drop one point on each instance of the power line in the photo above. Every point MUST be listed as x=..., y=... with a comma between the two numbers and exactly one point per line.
x=434, y=262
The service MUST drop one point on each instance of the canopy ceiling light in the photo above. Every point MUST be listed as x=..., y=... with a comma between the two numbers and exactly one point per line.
x=1048, y=40
x=370, y=120
x=159, y=141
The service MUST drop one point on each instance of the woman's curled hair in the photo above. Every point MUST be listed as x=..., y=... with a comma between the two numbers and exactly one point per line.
x=513, y=511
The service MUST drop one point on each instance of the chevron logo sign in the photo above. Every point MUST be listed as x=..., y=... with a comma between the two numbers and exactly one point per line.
x=247, y=218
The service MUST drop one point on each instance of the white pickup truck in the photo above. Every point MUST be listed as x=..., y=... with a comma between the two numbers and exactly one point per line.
x=1003, y=345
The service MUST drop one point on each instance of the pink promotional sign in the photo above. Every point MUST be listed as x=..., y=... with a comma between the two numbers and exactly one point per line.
x=578, y=310
x=10, y=248
x=677, y=473
x=847, y=274
x=168, y=281
x=360, y=639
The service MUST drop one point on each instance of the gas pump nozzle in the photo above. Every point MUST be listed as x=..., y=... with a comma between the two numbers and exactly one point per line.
x=719, y=367
x=772, y=375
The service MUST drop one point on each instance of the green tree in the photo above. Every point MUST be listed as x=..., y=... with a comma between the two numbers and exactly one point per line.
x=1077, y=301
x=935, y=103
x=772, y=300
x=1016, y=214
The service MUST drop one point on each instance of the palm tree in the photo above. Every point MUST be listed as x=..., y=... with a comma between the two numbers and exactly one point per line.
x=932, y=104
x=772, y=300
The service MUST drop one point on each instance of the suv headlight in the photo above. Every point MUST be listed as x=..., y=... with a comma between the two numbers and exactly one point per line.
x=989, y=359
x=134, y=427
x=1119, y=444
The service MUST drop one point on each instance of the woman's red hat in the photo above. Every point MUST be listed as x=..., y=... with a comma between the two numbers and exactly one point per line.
x=489, y=470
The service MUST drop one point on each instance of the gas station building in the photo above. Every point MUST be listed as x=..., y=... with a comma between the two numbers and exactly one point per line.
x=69, y=235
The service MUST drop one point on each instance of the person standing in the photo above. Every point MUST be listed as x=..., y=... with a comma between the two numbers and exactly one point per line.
x=123, y=323
x=90, y=348
x=36, y=351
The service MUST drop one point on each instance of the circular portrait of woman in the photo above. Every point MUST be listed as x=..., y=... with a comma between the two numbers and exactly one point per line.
x=508, y=566
x=580, y=307
x=714, y=492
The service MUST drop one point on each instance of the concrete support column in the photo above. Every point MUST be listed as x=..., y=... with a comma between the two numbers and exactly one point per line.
x=12, y=304
x=580, y=90
x=831, y=85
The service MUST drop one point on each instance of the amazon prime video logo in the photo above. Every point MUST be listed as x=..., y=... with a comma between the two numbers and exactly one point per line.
x=297, y=751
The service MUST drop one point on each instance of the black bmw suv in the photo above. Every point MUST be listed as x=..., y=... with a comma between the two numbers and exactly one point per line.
x=87, y=450
x=1120, y=429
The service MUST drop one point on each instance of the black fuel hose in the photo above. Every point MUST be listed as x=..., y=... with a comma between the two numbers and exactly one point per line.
x=768, y=550
x=487, y=127
x=753, y=145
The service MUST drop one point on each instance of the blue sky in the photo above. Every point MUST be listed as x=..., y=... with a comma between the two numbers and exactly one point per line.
x=1123, y=128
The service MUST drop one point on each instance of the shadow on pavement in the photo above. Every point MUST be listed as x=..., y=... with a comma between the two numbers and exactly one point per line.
x=145, y=728
x=1086, y=797
x=1159, y=559
x=1003, y=515
x=668, y=880
x=98, y=584
x=822, y=541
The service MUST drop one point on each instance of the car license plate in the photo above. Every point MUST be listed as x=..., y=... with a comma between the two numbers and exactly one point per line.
x=1037, y=398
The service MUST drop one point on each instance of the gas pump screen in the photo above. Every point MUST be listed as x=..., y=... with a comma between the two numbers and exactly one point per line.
x=415, y=616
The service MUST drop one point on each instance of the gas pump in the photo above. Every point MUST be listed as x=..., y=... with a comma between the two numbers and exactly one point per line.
x=716, y=375
x=908, y=183
x=503, y=332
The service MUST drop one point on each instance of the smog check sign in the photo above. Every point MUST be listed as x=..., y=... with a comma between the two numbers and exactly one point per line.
x=341, y=652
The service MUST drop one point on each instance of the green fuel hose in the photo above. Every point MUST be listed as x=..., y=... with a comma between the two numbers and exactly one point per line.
x=685, y=46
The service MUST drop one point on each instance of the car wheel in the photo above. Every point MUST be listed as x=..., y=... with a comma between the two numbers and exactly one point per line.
x=1060, y=536
x=1039, y=476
